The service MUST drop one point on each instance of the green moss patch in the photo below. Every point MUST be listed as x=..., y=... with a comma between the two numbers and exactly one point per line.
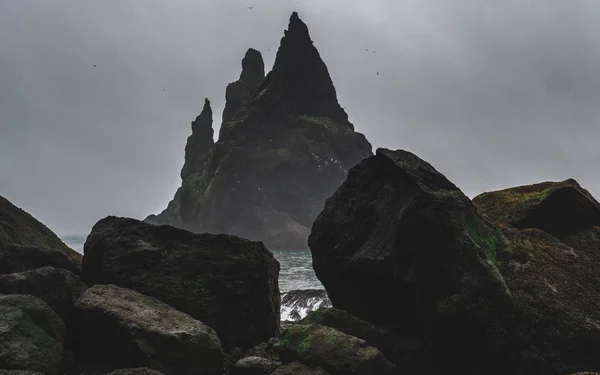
x=482, y=236
x=296, y=338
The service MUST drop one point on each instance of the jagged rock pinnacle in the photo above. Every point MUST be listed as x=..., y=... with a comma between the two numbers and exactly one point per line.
x=200, y=142
x=238, y=92
x=297, y=27
x=300, y=79
x=253, y=68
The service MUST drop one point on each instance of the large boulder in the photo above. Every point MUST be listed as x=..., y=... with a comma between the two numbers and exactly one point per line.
x=336, y=352
x=58, y=287
x=17, y=227
x=18, y=258
x=124, y=328
x=397, y=229
x=227, y=282
x=554, y=207
x=31, y=335
x=286, y=130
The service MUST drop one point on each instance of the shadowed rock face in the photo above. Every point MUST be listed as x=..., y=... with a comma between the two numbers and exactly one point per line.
x=399, y=224
x=226, y=282
x=58, y=287
x=238, y=92
x=31, y=335
x=19, y=228
x=197, y=149
x=400, y=246
x=282, y=151
x=200, y=143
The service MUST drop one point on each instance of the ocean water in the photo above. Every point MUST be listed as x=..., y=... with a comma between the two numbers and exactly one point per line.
x=296, y=275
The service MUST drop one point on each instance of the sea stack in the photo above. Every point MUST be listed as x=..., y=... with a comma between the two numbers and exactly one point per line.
x=284, y=147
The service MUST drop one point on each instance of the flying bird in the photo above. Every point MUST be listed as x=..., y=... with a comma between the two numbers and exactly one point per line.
x=377, y=73
x=250, y=7
x=95, y=66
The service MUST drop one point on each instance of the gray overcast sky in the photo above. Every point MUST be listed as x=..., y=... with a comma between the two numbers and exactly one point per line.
x=492, y=93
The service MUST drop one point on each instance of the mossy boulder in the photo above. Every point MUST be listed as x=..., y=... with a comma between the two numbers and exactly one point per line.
x=19, y=258
x=58, y=287
x=393, y=347
x=555, y=320
x=31, y=335
x=124, y=328
x=554, y=207
x=224, y=281
x=17, y=227
x=399, y=225
x=297, y=368
x=336, y=352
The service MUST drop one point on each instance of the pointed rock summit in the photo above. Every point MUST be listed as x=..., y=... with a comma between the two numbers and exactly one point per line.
x=238, y=92
x=300, y=79
x=200, y=143
x=284, y=146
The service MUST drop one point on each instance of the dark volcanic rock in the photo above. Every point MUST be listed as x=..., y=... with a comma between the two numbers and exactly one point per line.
x=197, y=150
x=238, y=92
x=31, y=335
x=554, y=207
x=200, y=143
x=399, y=225
x=402, y=240
x=59, y=288
x=18, y=258
x=297, y=368
x=556, y=322
x=125, y=328
x=336, y=352
x=17, y=227
x=279, y=156
x=227, y=282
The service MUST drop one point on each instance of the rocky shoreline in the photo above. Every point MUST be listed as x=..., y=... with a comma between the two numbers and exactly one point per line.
x=434, y=284
x=421, y=279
